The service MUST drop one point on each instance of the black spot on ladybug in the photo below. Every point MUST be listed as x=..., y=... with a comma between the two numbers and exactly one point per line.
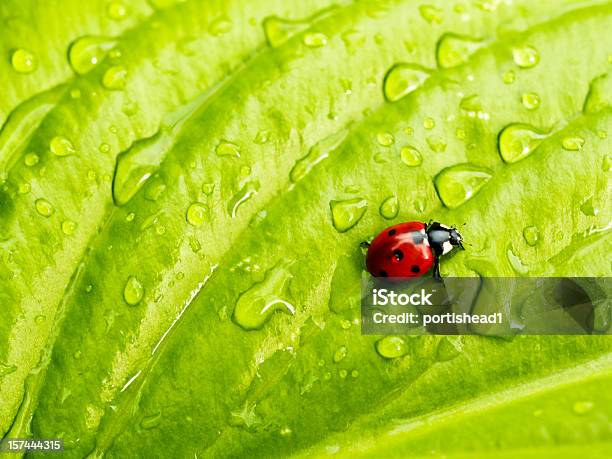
x=398, y=254
x=415, y=269
x=392, y=232
x=418, y=237
x=384, y=274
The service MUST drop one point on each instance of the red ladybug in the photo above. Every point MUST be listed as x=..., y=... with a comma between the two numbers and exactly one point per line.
x=411, y=249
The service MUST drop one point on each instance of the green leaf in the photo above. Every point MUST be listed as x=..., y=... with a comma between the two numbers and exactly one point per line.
x=181, y=263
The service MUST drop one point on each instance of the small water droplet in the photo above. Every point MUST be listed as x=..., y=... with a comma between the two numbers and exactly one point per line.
x=391, y=347
x=453, y=50
x=588, y=208
x=327, y=376
x=249, y=190
x=24, y=61
x=24, y=188
x=117, y=10
x=402, y=79
x=256, y=306
x=429, y=123
x=133, y=291
x=411, y=156
x=531, y=100
x=582, y=407
x=432, y=14
x=316, y=154
x=104, y=148
x=61, y=146
x=389, y=208
x=31, y=159
x=525, y=56
x=447, y=349
x=345, y=324
x=355, y=374
x=314, y=39
x=456, y=184
x=115, y=77
x=385, y=139
x=531, y=234
x=208, y=188
x=229, y=149
x=436, y=143
x=85, y=53
x=343, y=373
x=197, y=214
x=44, y=207
x=517, y=141
x=262, y=137
x=220, y=26
x=572, y=143
x=68, y=227
x=509, y=77
x=130, y=217
x=347, y=213
x=340, y=354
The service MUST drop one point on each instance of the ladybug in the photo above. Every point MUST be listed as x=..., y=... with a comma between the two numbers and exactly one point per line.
x=411, y=249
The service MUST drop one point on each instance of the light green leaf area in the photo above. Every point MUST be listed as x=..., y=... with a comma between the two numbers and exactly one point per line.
x=180, y=222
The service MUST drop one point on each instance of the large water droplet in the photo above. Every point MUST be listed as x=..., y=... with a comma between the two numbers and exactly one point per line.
x=316, y=154
x=572, y=143
x=517, y=141
x=44, y=207
x=402, y=79
x=391, y=347
x=87, y=52
x=389, y=208
x=61, y=146
x=133, y=291
x=197, y=214
x=453, y=50
x=411, y=156
x=600, y=94
x=248, y=190
x=115, y=78
x=456, y=184
x=347, y=213
x=257, y=305
x=279, y=30
x=525, y=56
x=531, y=235
x=24, y=61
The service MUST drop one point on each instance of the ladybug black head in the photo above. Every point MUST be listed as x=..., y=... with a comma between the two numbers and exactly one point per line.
x=455, y=238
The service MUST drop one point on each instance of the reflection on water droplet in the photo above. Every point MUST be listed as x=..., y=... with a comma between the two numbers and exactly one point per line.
x=314, y=39
x=316, y=154
x=44, y=207
x=517, y=141
x=85, y=53
x=385, y=139
x=68, y=227
x=447, y=349
x=531, y=235
x=225, y=148
x=197, y=214
x=391, y=347
x=582, y=407
x=340, y=354
x=133, y=291
x=24, y=61
x=249, y=190
x=411, y=156
x=115, y=77
x=456, y=184
x=572, y=143
x=453, y=50
x=61, y=146
x=257, y=305
x=347, y=213
x=402, y=79
x=531, y=100
x=389, y=208
x=526, y=56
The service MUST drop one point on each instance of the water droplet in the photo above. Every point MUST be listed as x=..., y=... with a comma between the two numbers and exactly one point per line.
x=24, y=61
x=327, y=376
x=44, y=207
x=85, y=53
x=453, y=50
x=531, y=100
x=343, y=373
x=278, y=30
x=285, y=431
x=509, y=77
x=391, y=347
x=340, y=354
x=316, y=154
x=345, y=324
x=130, y=217
x=572, y=143
x=347, y=213
x=411, y=156
x=68, y=227
x=447, y=349
x=104, y=148
x=531, y=234
x=588, y=208
x=385, y=139
x=61, y=146
x=456, y=184
x=436, y=143
x=150, y=422
x=225, y=148
x=195, y=244
x=133, y=291
x=220, y=26
x=582, y=407
x=115, y=77
x=117, y=10
x=402, y=79
x=314, y=39
x=355, y=374
x=517, y=141
x=257, y=305
x=262, y=137
x=526, y=56
x=249, y=190
x=431, y=14
x=600, y=94
x=197, y=214
x=24, y=188
x=31, y=159
x=389, y=208
x=429, y=123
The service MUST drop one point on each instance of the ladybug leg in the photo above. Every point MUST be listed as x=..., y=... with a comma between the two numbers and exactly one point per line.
x=364, y=245
x=436, y=271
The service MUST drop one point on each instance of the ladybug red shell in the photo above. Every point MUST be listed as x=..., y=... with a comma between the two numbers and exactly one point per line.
x=411, y=249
